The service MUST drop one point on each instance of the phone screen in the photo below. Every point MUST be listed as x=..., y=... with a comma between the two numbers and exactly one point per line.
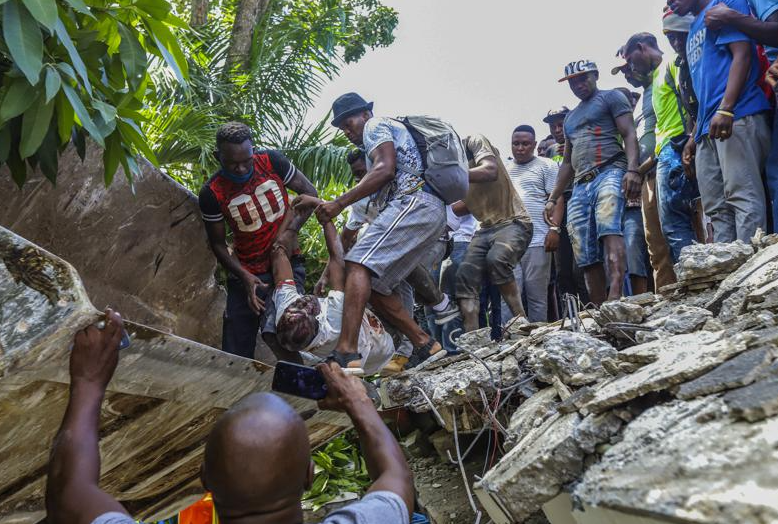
x=300, y=381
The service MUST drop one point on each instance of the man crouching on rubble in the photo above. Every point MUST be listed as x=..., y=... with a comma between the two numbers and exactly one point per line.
x=257, y=460
x=310, y=323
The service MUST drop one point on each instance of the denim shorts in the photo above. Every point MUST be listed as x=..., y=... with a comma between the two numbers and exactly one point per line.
x=596, y=209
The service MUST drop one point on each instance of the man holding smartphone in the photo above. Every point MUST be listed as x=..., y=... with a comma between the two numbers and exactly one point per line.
x=257, y=461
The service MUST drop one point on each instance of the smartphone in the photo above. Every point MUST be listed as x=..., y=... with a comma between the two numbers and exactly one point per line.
x=298, y=380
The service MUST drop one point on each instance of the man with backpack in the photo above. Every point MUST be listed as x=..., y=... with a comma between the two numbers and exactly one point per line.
x=411, y=217
x=732, y=136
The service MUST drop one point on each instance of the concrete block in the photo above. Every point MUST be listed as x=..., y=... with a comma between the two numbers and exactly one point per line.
x=755, y=402
x=740, y=371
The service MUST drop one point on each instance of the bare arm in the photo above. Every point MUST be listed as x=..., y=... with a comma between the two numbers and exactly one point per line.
x=217, y=238
x=385, y=461
x=460, y=209
x=73, y=495
x=565, y=174
x=288, y=234
x=721, y=123
x=384, y=159
x=484, y=171
x=764, y=32
x=633, y=180
x=336, y=265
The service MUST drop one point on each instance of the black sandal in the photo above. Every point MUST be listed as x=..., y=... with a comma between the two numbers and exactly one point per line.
x=343, y=359
x=421, y=354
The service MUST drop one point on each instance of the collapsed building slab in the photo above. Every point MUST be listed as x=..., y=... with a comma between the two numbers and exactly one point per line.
x=142, y=250
x=159, y=407
x=689, y=462
x=681, y=425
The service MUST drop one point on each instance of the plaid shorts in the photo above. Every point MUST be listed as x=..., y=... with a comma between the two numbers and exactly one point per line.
x=399, y=239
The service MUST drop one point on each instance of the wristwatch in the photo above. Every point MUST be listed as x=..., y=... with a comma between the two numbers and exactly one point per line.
x=555, y=229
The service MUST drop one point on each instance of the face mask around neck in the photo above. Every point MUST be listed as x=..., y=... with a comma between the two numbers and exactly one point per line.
x=238, y=179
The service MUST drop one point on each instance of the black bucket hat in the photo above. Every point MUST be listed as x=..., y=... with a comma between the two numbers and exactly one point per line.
x=348, y=104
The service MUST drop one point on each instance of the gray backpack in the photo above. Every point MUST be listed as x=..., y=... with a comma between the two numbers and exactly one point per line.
x=444, y=163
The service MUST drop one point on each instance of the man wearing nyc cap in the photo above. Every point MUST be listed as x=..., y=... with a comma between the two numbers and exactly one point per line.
x=677, y=194
x=604, y=172
x=410, y=219
x=764, y=29
x=732, y=135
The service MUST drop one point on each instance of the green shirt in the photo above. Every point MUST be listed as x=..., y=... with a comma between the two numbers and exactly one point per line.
x=669, y=122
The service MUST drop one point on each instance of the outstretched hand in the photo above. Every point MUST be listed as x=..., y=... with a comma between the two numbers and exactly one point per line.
x=343, y=391
x=252, y=283
x=326, y=211
x=95, y=352
x=718, y=16
x=303, y=203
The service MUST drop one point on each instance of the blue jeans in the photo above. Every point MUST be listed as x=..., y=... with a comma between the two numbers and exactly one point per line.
x=676, y=195
x=635, y=242
x=772, y=173
x=596, y=209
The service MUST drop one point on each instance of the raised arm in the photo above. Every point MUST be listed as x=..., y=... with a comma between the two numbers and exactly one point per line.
x=336, y=265
x=384, y=161
x=385, y=460
x=300, y=184
x=764, y=32
x=73, y=495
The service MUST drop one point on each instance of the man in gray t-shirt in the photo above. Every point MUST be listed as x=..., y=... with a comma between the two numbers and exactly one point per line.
x=605, y=174
x=257, y=460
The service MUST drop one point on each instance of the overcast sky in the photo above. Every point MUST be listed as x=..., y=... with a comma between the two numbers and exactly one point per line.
x=489, y=65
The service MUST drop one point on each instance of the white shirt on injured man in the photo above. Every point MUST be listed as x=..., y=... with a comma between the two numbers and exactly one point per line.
x=375, y=344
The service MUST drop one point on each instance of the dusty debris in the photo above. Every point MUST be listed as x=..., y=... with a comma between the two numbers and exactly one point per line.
x=705, y=260
x=576, y=358
x=740, y=371
x=657, y=405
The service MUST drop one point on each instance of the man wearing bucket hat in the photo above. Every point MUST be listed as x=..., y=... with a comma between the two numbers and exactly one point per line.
x=604, y=173
x=409, y=220
x=732, y=136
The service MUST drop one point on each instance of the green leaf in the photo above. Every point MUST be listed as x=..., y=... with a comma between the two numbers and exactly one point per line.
x=133, y=135
x=35, y=125
x=83, y=114
x=47, y=155
x=17, y=99
x=107, y=111
x=158, y=10
x=111, y=156
x=44, y=11
x=78, y=63
x=5, y=143
x=80, y=6
x=65, y=119
x=133, y=57
x=24, y=40
x=170, y=49
x=53, y=83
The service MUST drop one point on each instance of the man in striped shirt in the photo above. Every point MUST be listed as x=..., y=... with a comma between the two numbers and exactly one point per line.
x=534, y=179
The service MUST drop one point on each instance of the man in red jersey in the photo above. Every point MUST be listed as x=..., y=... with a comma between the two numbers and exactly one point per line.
x=249, y=192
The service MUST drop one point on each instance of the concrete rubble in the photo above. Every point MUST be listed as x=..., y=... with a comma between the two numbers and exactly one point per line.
x=656, y=408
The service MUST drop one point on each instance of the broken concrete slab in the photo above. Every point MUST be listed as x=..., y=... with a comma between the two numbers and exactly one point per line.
x=621, y=311
x=576, y=358
x=144, y=252
x=759, y=270
x=740, y=371
x=682, y=319
x=531, y=414
x=686, y=461
x=705, y=260
x=597, y=429
x=673, y=360
x=533, y=472
x=159, y=407
x=755, y=402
